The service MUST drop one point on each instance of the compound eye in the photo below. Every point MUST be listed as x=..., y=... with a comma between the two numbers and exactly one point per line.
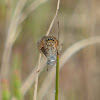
x=48, y=38
x=53, y=39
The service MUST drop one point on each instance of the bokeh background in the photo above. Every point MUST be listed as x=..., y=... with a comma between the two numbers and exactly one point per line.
x=79, y=20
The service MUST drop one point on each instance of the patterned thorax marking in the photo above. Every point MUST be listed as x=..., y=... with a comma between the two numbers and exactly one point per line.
x=48, y=45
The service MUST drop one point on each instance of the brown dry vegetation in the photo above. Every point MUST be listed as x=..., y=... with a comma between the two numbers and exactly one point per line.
x=79, y=73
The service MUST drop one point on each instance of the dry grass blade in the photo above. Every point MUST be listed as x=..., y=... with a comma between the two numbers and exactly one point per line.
x=30, y=8
x=11, y=35
x=52, y=22
x=36, y=81
x=10, y=39
x=63, y=59
x=16, y=20
x=31, y=78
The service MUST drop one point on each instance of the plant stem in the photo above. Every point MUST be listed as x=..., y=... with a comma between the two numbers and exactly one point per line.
x=57, y=78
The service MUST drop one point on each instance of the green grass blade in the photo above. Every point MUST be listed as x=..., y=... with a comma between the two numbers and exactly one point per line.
x=57, y=78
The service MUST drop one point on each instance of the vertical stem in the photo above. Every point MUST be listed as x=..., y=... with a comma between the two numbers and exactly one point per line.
x=57, y=78
x=36, y=81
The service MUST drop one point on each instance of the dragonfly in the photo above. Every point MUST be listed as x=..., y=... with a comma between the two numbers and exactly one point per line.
x=48, y=46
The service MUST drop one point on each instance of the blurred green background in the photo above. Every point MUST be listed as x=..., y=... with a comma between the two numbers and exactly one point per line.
x=79, y=19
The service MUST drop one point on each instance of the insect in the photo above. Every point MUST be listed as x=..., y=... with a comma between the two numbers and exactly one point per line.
x=48, y=46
